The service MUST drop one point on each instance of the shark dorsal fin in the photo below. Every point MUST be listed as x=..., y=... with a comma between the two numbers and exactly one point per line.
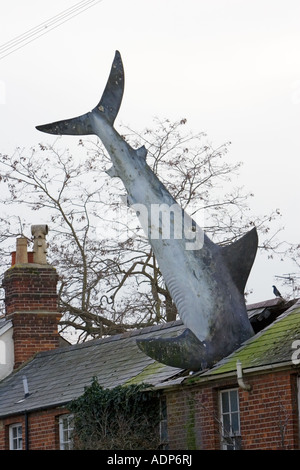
x=239, y=257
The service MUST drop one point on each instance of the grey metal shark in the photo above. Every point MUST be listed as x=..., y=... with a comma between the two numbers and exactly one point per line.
x=205, y=280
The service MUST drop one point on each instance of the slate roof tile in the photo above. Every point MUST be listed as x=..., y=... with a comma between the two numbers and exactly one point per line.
x=271, y=346
x=56, y=377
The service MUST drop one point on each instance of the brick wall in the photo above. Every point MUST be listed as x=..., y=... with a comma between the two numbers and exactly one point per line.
x=30, y=288
x=268, y=417
x=268, y=414
x=34, y=332
x=191, y=418
x=31, y=304
x=43, y=429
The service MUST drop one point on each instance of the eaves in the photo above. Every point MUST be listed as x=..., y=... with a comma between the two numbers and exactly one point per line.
x=205, y=378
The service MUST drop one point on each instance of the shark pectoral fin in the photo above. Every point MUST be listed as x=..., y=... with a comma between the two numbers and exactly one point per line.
x=108, y=106
x=184, y=351
x=239, y=257
x=142, y=152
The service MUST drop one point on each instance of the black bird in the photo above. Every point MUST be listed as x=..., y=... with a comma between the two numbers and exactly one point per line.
x=276, y=292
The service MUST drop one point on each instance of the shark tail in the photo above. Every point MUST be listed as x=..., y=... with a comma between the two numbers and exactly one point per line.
x=184, y=351
x=108, y=106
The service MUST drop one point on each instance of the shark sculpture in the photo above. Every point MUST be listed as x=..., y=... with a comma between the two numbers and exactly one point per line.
x=206, y=281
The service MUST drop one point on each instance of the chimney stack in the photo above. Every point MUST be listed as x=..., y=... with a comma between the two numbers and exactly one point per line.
x=31, y=298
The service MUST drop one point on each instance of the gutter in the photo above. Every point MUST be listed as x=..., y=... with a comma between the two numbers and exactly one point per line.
x=38, y=408
x=197, y=378
x=206, y=377
x=202, y=378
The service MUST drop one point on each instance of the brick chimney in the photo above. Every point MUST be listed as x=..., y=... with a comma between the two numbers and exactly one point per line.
x=31, y=298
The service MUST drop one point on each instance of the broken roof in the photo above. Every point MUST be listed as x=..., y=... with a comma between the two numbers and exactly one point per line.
x=259, y=307
x=56, y=377
x=272, y=347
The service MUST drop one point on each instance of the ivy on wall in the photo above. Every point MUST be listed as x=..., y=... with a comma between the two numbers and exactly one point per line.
x=122, y=418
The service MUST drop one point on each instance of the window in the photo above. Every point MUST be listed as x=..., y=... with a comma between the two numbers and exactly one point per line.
x=2, y=352
x=15, y=437
x=230, y=419
x=65, y=432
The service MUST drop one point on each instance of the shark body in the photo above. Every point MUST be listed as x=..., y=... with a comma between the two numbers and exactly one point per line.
x=206, y=281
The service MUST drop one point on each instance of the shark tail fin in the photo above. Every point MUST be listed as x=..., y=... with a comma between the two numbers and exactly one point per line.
x=108, y=106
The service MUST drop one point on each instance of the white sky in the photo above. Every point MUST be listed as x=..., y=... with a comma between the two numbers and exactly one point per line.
x=231, y=67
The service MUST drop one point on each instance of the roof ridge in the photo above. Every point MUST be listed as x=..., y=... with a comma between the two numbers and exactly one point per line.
x=265, y=303
x=109, y=339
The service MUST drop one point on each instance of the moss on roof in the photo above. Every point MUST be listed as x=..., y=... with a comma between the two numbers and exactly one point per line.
x=146, y=374
x=271, y=346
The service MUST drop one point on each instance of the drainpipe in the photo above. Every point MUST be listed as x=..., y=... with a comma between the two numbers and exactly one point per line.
x=240, y=379
x=26, y=431
x=26, y=394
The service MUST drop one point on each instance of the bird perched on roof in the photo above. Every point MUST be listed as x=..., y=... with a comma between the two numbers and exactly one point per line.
x=276, y=292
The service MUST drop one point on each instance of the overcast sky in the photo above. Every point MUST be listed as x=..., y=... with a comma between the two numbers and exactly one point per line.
x=231, y=67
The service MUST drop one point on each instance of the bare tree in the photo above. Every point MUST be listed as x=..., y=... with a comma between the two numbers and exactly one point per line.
x=109, y=278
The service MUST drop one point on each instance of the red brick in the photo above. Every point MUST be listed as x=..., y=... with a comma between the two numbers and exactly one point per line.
x=31, y=304
x=268, y=414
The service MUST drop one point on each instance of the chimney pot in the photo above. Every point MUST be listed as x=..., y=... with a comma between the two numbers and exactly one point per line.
x=39, y=233
x=21, y=251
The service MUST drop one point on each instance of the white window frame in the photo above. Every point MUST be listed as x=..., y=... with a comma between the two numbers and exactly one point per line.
x=66, y=428
x=16, y=436
x=231, y=439
x=163, y=423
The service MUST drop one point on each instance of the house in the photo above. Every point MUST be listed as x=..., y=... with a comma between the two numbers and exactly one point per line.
x=255, y=406
x=248, y=400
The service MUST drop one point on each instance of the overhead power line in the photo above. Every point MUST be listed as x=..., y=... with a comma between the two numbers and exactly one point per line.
x=43, y=28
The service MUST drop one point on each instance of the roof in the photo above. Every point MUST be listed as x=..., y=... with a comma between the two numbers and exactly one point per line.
x=56, y=377
x=271, y=347
x=259, y=307
x=265, y=303
x=4, y=325
x=264, y=313
x=59, y=376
